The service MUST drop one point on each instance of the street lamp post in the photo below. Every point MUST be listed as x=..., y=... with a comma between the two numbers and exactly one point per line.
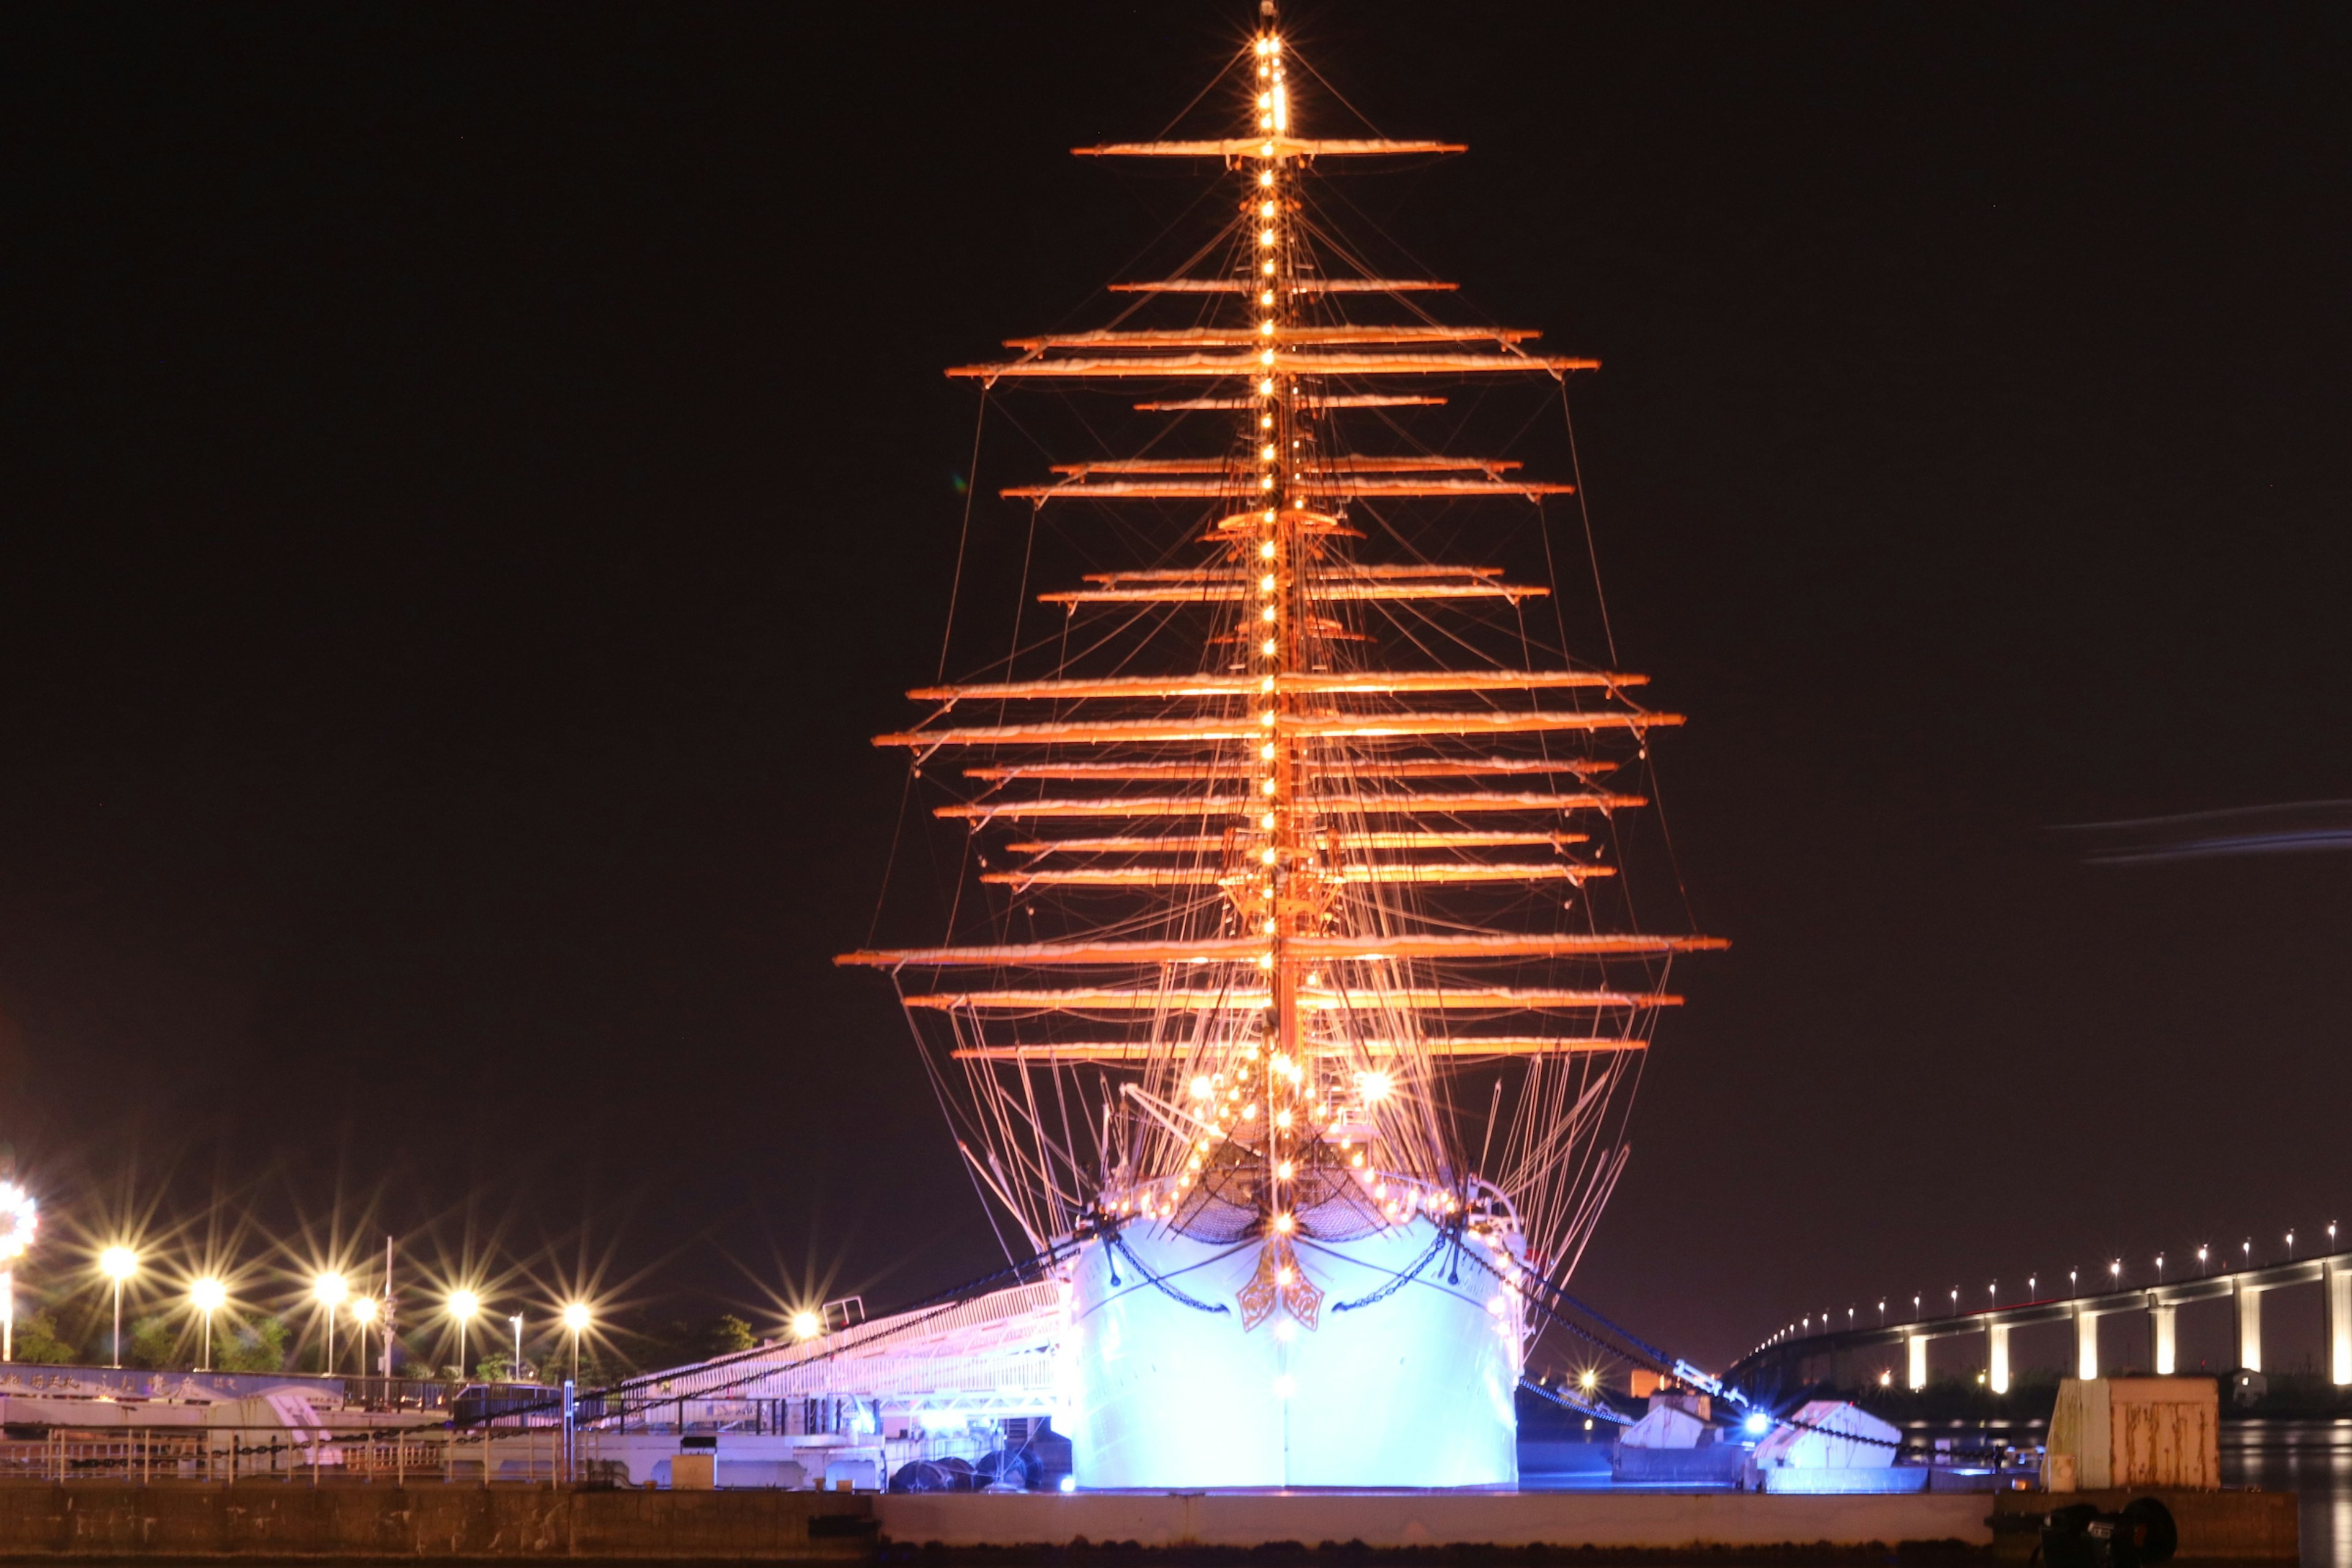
x=330, y=1291
x=19, y=1218
x=463, y=1305
x=206, y=1296
x=575, y=1319
x=118, y=1264
x=364, y=1310
x=515, y=1373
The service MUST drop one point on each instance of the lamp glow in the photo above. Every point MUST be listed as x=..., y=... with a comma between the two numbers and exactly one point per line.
x=807, y=1325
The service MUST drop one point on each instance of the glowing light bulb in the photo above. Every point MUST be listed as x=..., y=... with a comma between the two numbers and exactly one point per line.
x=1268, y=821
x=807, y=1325
x=1265, y=177
x=1266, y=614
x=1266, y=298
x=1266, y=452
x=1282, y=1120
x=1267, y=787
x=1268, y=857
x=1265, y=236
x=1265, y=329
x=1265, y=389
x=575, y=1316
x=1266, y=648
x=1265, y=209
x=1376, y=1085
x=1284, y=1223
x=1283, y=1172
x=1201, y=1087
x=1267, y=267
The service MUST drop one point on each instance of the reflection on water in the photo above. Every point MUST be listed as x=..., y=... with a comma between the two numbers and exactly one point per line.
x=2310, y=1458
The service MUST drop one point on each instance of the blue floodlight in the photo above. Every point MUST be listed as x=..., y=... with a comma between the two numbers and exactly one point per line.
x=1070, y=1483
x=1757, y=1424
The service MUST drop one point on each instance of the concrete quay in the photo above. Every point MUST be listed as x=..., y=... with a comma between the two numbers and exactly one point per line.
x=265, y=1520
x=278, y=1520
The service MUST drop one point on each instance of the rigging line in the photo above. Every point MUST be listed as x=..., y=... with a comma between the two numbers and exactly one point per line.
x=963, y=536
x=897, y=831
x=931, y=1075
x=1301, y=61
x=1585, y=511
x=1020, y=599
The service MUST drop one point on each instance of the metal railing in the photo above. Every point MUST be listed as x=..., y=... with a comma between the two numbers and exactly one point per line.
x=536, y=1454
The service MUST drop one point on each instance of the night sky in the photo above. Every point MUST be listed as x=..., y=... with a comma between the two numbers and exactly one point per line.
x=476, y=477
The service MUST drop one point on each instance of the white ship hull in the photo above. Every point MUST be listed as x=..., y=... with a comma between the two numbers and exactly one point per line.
x=1413, y=1389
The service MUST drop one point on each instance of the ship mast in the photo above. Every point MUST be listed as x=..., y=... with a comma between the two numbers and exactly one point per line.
x=1283, y=994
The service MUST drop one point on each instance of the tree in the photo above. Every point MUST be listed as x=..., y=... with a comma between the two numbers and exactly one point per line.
x=37, y=1341
x=257, y=1346
x=727, y=1335
x=153, y=1342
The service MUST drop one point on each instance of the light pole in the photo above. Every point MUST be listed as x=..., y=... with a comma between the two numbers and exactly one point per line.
x=515, y=1373
x=463, y=1305
x=2202, y=1268
x=330, y=1291
x=363, y=1310
x=2289, y=1247
x=20, y=1217
x=2115, y=1273
x=575, y=1319
x=2159, y=1269
x=207, y=1296
x=2074, y=1282
x=118, y=1264
x=2030, y=1285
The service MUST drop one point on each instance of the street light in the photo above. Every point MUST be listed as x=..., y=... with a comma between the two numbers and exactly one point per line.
x=19, y=1218
x=463, y=1305
x=2159, y=1267
x=363, y=1311
x=2030, y=1281
x=2073, y=1282
x=118, y=1264
x=575, y=1319
x=2200, y=1262
x=2116, y=1272
x=207, y=1296
x=807, y=1325
x=516, y=1318
x=330, y=1291
x=2290, y=1246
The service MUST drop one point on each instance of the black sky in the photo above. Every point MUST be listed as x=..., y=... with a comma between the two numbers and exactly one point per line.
x=476, y=475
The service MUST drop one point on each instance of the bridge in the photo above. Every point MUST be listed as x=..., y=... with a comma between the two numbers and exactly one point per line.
x=1782, y=1361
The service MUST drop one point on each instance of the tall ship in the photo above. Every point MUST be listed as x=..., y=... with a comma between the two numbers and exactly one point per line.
x=1292, y=1004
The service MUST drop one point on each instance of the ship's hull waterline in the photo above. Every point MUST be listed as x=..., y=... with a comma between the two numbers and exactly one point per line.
x=1404, y=1385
